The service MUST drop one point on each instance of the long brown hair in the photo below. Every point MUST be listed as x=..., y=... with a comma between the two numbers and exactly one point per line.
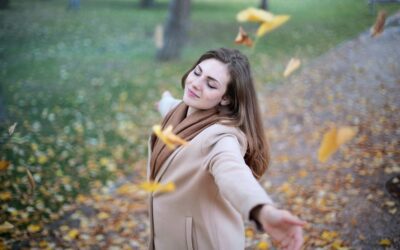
x=243, y=110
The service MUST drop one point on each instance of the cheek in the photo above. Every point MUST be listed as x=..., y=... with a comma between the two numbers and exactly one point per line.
x=214, y=97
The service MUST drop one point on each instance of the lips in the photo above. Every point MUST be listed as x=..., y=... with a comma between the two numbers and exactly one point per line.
x=192, y=94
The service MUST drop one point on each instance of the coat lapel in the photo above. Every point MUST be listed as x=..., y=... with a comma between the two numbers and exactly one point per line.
x=167, y=163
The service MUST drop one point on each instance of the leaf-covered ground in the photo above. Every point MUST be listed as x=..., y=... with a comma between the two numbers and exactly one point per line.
x=346, y=201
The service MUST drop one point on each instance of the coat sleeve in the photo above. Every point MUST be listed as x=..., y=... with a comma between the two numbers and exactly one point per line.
x=233, y=177
x=166, y=104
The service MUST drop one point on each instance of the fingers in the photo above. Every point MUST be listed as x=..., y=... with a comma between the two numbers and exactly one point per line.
x=293, y=241
x=297, y=241
x=292, y=219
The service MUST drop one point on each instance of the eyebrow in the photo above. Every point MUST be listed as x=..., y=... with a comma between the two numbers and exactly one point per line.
x=209, y=77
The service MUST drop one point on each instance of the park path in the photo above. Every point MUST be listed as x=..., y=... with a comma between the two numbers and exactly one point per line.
x=344, y=200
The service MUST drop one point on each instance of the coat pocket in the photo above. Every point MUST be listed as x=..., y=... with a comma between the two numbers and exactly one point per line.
x=190, y=235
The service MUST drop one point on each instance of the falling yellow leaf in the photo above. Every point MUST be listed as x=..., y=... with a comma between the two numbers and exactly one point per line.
x=262, y=245
x=268, y=26
x=157, y=187
x=328, y=145
x=33, y=228
x=333, y=139
x=254, y=15
x=243, y=38
x=345, y=134
x=6, y=195
x=126, y=189
x=4, y=165
x=11, y=129
x=6, y=227
x=379, y=25
x=293, y=64
x=169, y=138
x=385, y=242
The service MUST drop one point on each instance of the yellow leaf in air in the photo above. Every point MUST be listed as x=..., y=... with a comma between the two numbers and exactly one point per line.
x=127, y=189
x=155, y=186
x=262, y=245
x=168, y=137
x=268, y=26
x=6, y=227
x=293, y=64
x=33, y=228
x=345, y=134
x=328, y=145
x=254, y=15
x=385, y=242
x=379, y=25
x=333, y=139
x=4, y=165
x=243, y=38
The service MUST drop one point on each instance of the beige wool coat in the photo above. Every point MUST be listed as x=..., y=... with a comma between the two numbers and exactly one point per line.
x=215, y=192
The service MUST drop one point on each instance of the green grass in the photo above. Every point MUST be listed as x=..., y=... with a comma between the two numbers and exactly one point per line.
x=81, y=84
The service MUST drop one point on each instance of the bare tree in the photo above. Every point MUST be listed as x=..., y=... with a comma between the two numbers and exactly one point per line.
x=264, y=4
x=175, y=30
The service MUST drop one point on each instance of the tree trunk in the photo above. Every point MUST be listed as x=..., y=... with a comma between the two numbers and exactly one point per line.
x=175, y=31
x=146, y=3
x=264, y=4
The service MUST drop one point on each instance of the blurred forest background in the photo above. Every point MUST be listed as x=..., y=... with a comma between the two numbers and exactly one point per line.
x=80, y=79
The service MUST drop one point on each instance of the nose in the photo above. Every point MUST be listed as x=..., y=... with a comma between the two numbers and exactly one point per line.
x=196, y=84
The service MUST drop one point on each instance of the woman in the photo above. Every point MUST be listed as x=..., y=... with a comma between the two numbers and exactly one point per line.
x=216, y=172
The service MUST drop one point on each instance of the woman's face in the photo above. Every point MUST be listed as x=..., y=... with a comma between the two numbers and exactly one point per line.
x=206, y=84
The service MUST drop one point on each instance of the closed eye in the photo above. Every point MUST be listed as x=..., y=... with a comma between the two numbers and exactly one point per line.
x=210, y=86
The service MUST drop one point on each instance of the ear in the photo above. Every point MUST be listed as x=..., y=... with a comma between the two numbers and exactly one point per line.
x=225, y=101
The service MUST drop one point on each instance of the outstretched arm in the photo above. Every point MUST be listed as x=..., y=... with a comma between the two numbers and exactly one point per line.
x=166, y=103
x=283, y=227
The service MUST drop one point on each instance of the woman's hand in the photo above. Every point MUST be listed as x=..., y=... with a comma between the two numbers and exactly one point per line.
x=282, y=226
x=164, y=94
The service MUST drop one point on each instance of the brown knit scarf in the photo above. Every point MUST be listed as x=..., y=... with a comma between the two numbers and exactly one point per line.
x=186, y=127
